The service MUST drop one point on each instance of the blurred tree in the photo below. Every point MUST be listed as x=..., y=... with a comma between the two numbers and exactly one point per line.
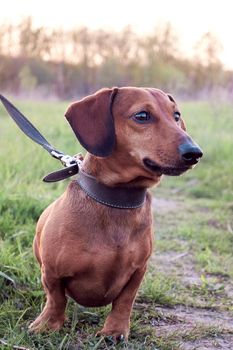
x=33, y=42
x=28, y=81
x=207, y=63
x=104, y=46
x=1, y=40
x=161, y=53
x=163, y=43
x=9, y=68
x=79, y=61
x=208, y=50
x=83, y=55
x=9, y=44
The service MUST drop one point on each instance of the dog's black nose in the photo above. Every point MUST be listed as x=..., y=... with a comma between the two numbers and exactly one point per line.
x=190, y=153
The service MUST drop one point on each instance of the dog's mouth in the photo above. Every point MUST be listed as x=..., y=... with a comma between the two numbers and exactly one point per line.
x=171, y=171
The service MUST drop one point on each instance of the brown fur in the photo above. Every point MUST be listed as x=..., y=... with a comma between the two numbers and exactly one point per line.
x=93, y=253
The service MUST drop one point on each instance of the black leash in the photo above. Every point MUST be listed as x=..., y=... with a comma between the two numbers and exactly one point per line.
x=71, y=164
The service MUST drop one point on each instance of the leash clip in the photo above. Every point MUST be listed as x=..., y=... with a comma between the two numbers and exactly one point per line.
x=67, y=160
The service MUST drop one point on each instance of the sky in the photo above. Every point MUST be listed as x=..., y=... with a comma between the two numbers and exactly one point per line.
x=190, y=18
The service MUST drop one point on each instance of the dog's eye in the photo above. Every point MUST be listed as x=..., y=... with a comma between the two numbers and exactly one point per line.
x=142, y=117
x=177, y=116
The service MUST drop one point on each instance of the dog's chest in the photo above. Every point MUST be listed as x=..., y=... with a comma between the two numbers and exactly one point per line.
x=101, y=248
x=104, y=272
x=106, y=253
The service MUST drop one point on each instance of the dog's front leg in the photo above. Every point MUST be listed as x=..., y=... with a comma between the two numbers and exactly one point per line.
x=53, y=315
x=118, y=321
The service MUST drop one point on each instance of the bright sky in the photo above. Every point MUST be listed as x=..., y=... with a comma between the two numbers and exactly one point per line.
x=191, y=18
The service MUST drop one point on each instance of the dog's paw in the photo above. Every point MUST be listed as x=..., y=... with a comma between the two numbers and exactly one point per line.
x=114, y=335
x=43, y=324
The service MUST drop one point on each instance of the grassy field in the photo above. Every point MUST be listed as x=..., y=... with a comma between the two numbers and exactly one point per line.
x=185, y=301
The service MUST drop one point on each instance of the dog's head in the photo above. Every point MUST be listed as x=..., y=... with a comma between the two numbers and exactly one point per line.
x=142, y=126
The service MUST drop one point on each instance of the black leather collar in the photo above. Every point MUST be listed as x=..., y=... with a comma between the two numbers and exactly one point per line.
x=116, y=197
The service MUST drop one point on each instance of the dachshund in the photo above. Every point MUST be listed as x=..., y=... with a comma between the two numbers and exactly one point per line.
x=93, y=243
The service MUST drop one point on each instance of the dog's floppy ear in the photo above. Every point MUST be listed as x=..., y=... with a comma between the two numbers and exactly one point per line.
x=92, y=122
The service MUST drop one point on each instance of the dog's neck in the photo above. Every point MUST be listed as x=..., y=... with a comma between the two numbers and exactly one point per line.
x=113, y=172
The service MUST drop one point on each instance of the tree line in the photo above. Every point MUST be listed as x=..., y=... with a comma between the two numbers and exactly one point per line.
x=71, y=63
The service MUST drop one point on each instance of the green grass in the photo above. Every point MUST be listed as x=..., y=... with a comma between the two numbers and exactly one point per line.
x=198, y=231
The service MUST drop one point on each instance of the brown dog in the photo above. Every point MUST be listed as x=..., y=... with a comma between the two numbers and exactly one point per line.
x=93, y=251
